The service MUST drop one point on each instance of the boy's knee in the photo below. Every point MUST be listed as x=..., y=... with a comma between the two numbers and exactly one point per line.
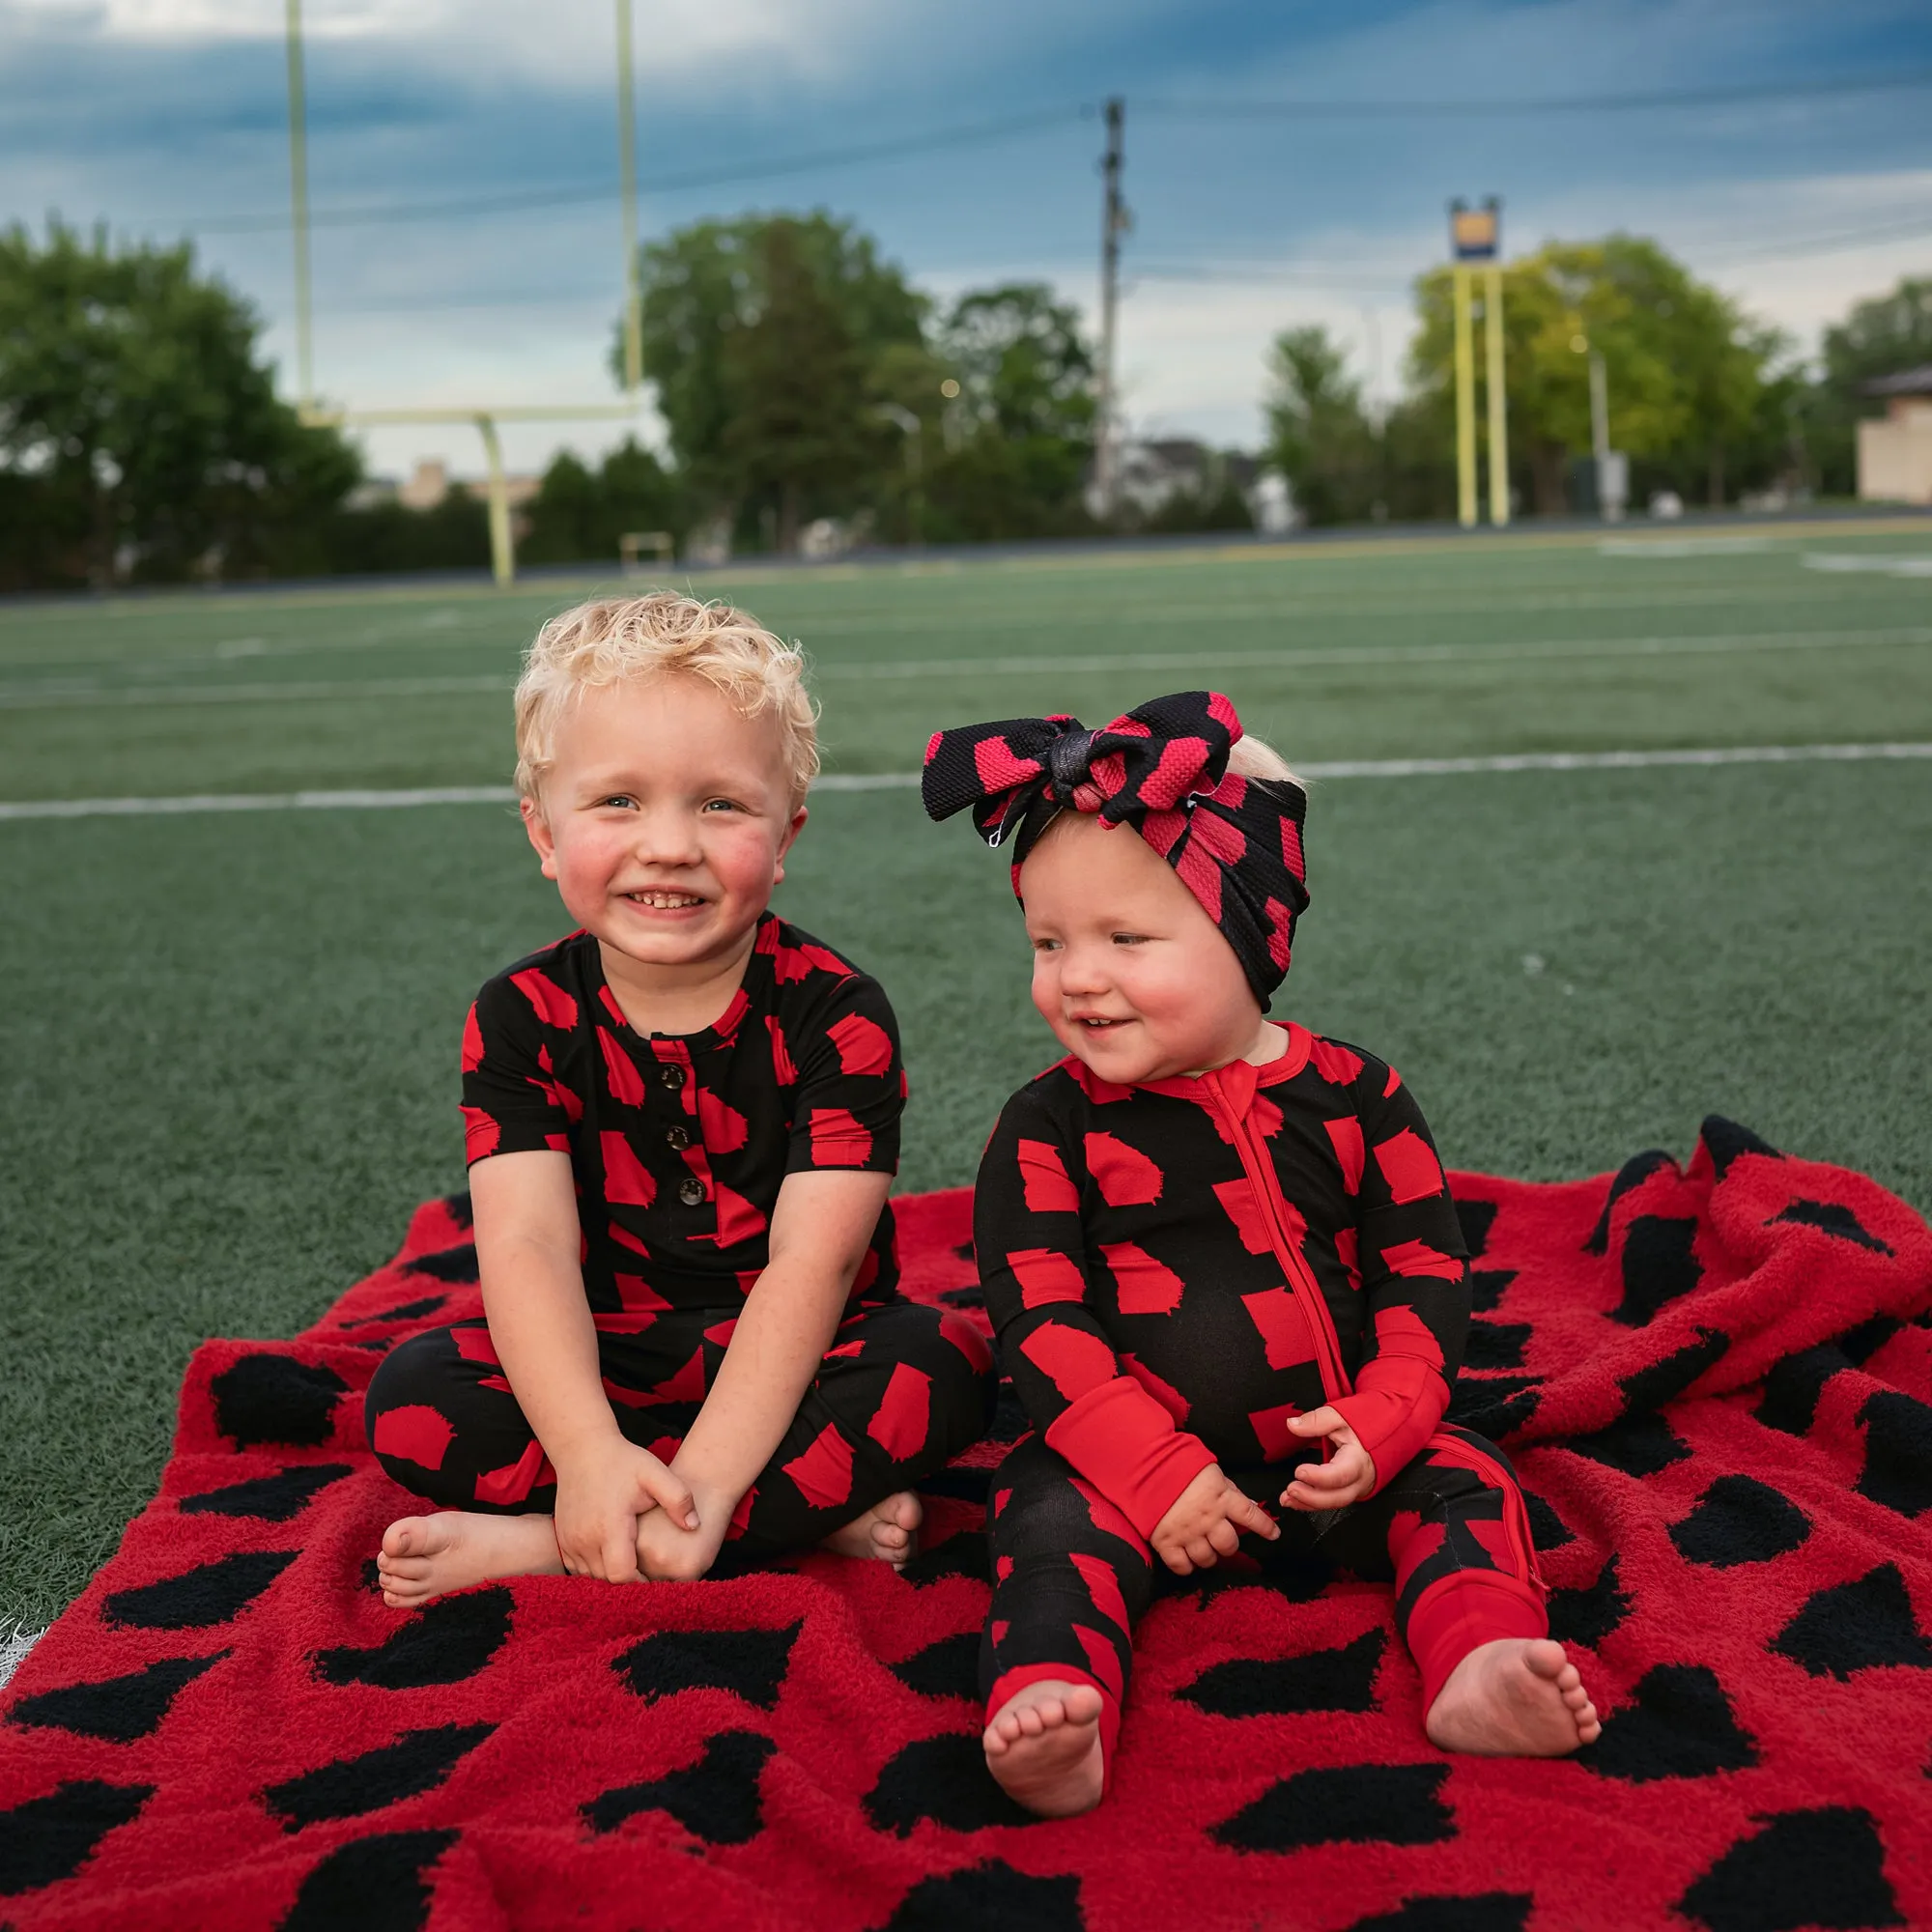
x=950, y=1352
x=412, y=1372
x=409, y=1416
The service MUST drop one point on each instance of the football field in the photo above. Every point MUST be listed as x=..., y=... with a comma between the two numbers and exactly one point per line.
x=229, y=1042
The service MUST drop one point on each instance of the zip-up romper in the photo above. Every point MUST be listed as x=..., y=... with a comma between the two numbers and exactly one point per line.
x=1174, y=1270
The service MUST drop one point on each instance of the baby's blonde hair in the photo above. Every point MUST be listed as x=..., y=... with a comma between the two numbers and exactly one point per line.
x=1253, y=758
x=617, y=640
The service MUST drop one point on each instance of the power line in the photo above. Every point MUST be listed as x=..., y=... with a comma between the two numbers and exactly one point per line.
x=356, y=214
x=1825, y=245
x=1577, y=103
x=988, y=132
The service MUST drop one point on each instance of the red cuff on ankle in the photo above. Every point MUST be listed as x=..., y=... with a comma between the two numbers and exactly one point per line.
x=1463, y=1611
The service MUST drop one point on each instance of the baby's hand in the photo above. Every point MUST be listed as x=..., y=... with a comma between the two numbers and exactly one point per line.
x=1205, y=1521
x=1346, y=1477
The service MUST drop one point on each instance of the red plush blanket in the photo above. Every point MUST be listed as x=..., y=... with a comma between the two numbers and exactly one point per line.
x=1715, y=1383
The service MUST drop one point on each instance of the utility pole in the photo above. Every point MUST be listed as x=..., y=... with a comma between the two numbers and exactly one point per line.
x=627, y=171
x=1115, y=221
x=298, y=203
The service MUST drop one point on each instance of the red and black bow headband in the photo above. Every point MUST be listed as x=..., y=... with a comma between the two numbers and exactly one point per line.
x=1162, y=769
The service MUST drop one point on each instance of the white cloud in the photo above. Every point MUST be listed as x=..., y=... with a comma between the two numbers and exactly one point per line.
x=556, y=41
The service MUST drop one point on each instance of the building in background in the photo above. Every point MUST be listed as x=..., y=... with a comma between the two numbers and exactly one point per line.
x=1895, y=449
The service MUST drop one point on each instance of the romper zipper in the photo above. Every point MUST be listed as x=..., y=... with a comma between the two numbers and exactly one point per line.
x=1307, y=1291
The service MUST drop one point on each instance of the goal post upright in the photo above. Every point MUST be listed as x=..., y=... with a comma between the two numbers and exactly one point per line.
x=627, y=170
x=1493, y=344
x=299, y=200
x=485, y=420
x=1475, y=236
x=1465, y=402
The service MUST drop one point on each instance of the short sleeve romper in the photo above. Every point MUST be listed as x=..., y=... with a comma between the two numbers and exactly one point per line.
x=678, y=1145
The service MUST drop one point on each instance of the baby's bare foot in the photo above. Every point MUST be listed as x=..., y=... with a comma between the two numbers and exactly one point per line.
x=1516, y=1697
x=422, y=1557
x=887, y=1533
x=1044, y=1746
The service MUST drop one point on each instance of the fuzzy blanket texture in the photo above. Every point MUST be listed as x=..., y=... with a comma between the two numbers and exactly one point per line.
x=1714, y=1380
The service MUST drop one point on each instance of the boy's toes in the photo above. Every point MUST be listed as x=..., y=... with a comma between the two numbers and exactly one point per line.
x=408, y=1536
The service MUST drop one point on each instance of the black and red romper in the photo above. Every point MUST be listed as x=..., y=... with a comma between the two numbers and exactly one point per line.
x=1173, y=1271
x=678, y=1145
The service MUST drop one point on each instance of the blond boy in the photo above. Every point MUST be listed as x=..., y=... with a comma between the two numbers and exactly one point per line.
x=682, y=1124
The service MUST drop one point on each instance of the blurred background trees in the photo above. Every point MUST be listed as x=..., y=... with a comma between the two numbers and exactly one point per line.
x=140, y=434
x=798, y=376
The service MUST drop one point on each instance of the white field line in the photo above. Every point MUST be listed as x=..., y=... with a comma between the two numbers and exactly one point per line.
x=76, y=695
x=1876, y=565
x=16, y=1642
x=1667, y=547
x=1349, y=767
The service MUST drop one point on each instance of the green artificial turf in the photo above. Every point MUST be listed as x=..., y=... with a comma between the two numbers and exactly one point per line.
x=228, y=1046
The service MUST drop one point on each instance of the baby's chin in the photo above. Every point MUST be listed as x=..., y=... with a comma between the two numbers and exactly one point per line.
x=1121, y=1055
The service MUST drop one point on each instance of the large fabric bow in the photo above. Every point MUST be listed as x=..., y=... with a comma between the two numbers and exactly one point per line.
x=1162, y=768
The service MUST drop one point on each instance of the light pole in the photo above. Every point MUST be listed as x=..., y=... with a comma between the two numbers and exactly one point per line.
x=1610, y=468
x=915, y=435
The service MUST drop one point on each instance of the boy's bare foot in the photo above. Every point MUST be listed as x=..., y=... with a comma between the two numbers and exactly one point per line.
x=887, y=1533
x=1044, y=1746
x=1516, y=1697
x=422, y=1557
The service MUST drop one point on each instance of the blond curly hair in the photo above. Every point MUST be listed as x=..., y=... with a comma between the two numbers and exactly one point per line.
x=616, y=639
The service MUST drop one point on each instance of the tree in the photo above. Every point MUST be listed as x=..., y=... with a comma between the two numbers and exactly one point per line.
x=1686, y=370
x=580, y=513
x=1319, y=436
x=762, y=336
x=140, y=430
x=800, y=432
x=1879, y=337
x=1020, y=434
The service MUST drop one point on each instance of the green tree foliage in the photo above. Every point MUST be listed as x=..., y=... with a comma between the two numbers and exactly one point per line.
x=1319, y=436
x=1020, y=436
x=1880, y=337
x=580, y=513
x=140, y=436
x=1694, y=393
x=762, y=338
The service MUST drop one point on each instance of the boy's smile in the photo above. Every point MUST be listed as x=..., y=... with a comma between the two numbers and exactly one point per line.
x=664, y=816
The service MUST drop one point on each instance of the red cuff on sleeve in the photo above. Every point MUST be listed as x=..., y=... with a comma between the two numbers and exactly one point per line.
x=1126, y=1445
x=1395, y=1409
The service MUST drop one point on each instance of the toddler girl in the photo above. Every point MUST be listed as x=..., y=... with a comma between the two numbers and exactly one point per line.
x=1209, y=1242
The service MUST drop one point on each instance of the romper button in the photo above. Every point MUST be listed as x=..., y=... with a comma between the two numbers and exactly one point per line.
x=673, y=1077
x=690, y=1191
x=677, y=1139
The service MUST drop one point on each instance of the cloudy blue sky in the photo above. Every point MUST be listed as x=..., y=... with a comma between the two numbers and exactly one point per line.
x=165, y=117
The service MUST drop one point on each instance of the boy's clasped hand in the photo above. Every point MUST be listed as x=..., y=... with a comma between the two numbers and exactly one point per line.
x=1216, y=1249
